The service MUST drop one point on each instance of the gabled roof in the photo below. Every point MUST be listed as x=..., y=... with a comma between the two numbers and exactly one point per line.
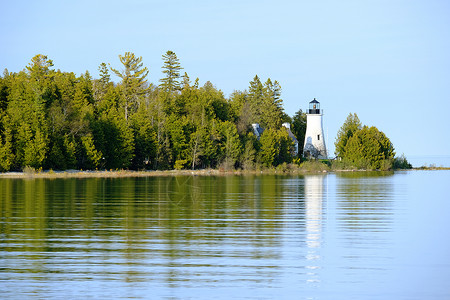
x=292, y=136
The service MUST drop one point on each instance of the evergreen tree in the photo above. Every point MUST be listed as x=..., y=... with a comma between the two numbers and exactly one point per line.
x=232, y=144
x=134, y=85
x=299, y=129
x=5, y=86
x=272, y=106
x=101, y=85
x=351, y=125
x=42, y=78
x=248, y=157
x=276, y=147
x=145, y=139
x=369, y=148
x=25, y=121
x=269, y=147
x=116, y=140
x=171, y=69
x=255, y=100
x=6, y=154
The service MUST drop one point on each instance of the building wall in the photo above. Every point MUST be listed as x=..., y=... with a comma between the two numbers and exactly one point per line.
x=314, y=138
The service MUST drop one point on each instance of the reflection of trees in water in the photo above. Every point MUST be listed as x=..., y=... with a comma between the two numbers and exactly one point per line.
x=365, y=200
x=169, y=221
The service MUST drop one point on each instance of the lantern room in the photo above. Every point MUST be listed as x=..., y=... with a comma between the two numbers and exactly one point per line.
x=314, y=107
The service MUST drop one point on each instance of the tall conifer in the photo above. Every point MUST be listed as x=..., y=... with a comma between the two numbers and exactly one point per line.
x=133, y=82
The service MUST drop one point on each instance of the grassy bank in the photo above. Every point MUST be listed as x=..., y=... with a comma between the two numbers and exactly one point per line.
x=307, y=167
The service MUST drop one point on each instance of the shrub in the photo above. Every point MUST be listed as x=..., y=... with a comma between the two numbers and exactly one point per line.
x=314, y=166
x=179, y=164
x=401, y=163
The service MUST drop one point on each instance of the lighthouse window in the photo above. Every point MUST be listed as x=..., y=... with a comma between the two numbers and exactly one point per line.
x=318, y=137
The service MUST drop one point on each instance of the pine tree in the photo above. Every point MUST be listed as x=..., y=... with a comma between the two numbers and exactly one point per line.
x=134, y=84
x=171, y=69
x=255, y=100
x=272, y=106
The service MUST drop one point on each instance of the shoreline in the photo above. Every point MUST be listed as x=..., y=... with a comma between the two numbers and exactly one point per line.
x=166, y=173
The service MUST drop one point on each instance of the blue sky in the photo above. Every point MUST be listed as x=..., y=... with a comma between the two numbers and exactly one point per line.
x=386, y=60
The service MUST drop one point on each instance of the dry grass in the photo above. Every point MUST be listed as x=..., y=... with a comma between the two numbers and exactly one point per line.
x=288, y=169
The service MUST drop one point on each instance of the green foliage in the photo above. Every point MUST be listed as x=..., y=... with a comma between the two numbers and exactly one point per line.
x=272, y=105
x=275, y=147
x=180, y=164
x=368, y=148
x=6, y=155
x=232, y=145
x=248, y=158
x=134, y=84
x=261, y=104
x=144, y=139
x=58, y=120
x=314, y=166
x=401, y=163
x=363, y=147
x=171, y=70
x=299, y=129
x=350, y=126
x=91, y=157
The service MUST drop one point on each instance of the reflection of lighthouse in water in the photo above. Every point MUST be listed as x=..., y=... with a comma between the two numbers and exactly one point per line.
x=314, y=193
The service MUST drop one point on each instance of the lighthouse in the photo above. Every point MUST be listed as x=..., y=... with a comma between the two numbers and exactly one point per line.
x=314, y=146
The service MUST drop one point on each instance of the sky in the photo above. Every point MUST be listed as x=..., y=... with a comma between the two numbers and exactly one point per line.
x=388, y=61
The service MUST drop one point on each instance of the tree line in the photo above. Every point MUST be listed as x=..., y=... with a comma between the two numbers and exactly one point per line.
x=57, y=120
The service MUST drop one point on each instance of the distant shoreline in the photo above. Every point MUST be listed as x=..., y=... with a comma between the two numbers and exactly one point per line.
x=168, y=173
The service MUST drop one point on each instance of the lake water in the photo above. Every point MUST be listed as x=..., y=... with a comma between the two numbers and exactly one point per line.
x=333, y=236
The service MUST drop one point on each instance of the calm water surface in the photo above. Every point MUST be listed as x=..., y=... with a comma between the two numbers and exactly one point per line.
x=335, y=236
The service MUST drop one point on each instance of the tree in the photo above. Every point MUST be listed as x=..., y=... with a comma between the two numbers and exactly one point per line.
x=134, y=84
x=248, y=157
x=6, y=155
x=275, y=147
x=42, y=78
x=197, y=142
x=115, y=140
x=5, y=86
x=299, y=129
x=90, y=157
x=255, y=100
x=272, y=107
x=351, y=125
x=369, y=148
x=178, y=133
x=101, y=85
x=232, y=144
x=145, y=139
x=171, y=69
x=39, y=68
x=25, y=122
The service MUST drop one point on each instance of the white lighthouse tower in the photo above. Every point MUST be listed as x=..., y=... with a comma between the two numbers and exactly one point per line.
x=314, y=146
